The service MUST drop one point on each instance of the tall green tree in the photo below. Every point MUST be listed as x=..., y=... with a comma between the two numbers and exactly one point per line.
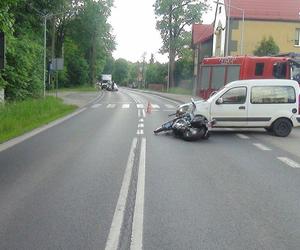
x=173, y=17
x=266, y=47
x=121, y=71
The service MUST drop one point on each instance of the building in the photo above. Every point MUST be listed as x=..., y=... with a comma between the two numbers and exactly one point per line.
x=247, y=22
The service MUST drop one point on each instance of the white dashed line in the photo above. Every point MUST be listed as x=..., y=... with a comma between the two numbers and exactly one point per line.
x=139, y=113
x=140, y=106
x=144, y=113
x=140, y=132
x=289, y=162
x=262, y=147
x=241, y=136
x=169, y=106
x=125, y=106
x=96, y=105
x=155, y=106
x=140, y=125
x=141, y=120
x=111, y=106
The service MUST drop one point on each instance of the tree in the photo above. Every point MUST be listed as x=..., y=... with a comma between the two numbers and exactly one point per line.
x=121, y=71
x=173, y=17
x=156, y=73
x=266, y=47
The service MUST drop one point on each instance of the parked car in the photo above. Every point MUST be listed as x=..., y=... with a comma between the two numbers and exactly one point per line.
x=272, y=104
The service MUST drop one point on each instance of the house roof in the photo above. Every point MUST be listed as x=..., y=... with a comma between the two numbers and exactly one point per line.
x=286, y=10
x=202, y=32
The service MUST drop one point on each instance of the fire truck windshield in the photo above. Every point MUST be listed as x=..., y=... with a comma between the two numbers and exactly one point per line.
x=296, y=72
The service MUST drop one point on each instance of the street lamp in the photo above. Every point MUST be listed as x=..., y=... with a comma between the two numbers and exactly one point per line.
x=228, y=26
x=46, y=16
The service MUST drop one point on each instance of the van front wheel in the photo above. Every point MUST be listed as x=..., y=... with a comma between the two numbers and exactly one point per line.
x=282, y=127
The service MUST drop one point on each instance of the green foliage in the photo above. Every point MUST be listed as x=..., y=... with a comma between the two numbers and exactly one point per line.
x=173, y=16
x=19, y=117
x=121, y=71
x=82, y=30
x=23, y=73
x=184, y=65
x=156, y=73
x=266, y=47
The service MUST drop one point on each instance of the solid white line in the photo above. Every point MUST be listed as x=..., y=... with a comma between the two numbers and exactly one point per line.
x=125, y=106
x=155, y=106
x=140, y=106
x=140, y=132
x=112, y=242
x=241, y=136
x=262, y=147
x=139, y=113
x=138, y=216
x=289, y=162
x=36, y=131
x=141, y=125
x=96, y=105
x=144, y=113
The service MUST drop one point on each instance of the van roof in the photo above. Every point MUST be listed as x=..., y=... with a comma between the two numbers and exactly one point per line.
x=262, y=82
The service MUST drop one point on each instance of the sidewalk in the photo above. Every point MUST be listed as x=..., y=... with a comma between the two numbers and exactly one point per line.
x=79, y=99
x=175, y=97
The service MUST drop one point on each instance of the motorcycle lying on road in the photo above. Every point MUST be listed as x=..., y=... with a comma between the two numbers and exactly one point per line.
x=187, y=125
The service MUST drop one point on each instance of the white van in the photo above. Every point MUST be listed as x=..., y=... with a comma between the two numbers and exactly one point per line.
x=271, y=104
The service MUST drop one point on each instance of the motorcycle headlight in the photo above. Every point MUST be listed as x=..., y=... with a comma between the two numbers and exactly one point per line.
x=182, y=109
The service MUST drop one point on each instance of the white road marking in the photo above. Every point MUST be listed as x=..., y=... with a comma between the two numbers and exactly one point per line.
x=139, y=113
x=138, y=216
x=140, y=106
x=141, y=125
x=96, y=105
x=36, y=131
x=262, y=147
x=125, y=106
x=289, y=162
x=169, y=106
x=111, y=106
x=141, y=120
x=155, y=106
x=140, y=132
x=144, y=113
x=112, y=242
x=243, y=136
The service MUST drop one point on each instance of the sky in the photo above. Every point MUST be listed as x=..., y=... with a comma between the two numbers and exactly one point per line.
x=133, y=23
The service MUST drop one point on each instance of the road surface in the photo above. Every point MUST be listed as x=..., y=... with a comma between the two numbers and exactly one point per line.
x=102, y=180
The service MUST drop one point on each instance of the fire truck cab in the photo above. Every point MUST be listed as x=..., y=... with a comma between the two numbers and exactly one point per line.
x=215, y=72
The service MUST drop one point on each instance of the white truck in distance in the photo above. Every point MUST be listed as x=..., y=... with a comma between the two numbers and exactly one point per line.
x=106, y=81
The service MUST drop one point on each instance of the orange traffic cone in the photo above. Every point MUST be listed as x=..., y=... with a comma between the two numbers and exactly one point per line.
x=149, y=108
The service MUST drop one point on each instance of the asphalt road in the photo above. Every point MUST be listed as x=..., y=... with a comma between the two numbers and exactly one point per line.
x=102, y=180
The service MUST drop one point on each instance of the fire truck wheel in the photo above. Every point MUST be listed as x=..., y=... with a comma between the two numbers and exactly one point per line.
x=282, y=127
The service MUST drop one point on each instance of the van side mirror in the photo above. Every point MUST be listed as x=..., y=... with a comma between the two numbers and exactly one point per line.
x=219, y=101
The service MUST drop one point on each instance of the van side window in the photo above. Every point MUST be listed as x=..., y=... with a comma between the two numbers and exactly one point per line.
x=273, y=94
x=259, y=69
x=235, y=96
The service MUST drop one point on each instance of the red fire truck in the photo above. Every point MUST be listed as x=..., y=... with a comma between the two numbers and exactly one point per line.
x=215, y=72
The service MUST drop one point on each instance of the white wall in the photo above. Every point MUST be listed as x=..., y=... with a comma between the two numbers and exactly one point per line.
x=220, y=18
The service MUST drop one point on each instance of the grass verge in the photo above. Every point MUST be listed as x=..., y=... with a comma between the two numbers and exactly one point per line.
x=75, y=89
x=20, y=117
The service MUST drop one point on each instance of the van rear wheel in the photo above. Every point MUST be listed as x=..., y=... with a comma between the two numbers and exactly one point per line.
x=282, y=127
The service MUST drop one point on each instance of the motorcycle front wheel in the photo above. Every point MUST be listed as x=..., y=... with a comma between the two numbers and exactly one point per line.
x=193, y=134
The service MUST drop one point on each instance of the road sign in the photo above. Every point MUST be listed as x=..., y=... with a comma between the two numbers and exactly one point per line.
x=57, y=64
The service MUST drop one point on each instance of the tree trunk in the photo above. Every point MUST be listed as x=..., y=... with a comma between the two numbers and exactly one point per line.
x=172, y=67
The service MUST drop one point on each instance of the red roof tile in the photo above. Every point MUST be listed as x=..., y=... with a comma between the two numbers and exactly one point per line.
x=202, y=32
x=287, y=10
